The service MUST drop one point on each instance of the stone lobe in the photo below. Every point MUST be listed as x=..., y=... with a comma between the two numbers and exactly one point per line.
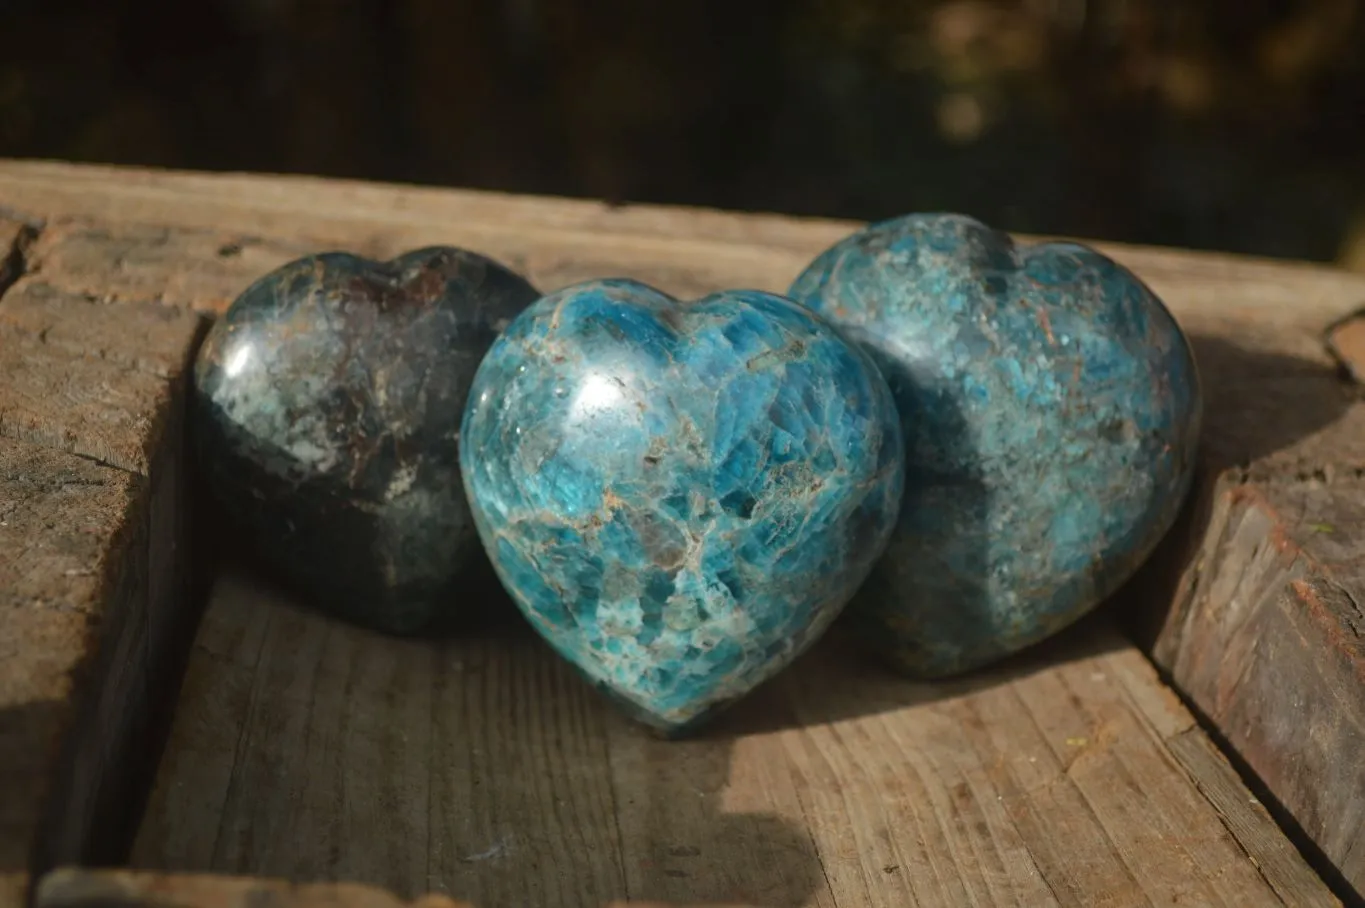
x=1051, y=411
x=680, y=496
x=326, y=418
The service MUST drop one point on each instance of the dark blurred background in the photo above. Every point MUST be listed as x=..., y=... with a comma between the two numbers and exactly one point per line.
x=1227, y=124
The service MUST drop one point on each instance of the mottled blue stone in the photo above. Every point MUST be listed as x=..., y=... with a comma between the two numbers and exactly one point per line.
x=680, y=496
x=1051, y=410
x=326, y=416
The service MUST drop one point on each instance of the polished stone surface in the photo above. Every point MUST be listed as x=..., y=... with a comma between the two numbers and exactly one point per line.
x=326, y=418
x=1051, y=411
x=680, y=496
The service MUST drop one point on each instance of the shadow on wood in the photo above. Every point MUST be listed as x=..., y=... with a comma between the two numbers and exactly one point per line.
x=837, y=681
x=478, y=767
x=1256, y=405
x=24, y=730
x=1252, y=608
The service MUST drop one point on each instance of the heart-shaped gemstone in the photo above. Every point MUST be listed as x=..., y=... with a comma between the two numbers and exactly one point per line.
x=680, y=496
x=327, y=411
x=1051, y=410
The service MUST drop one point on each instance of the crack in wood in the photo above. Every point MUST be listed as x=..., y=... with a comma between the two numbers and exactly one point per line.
x=1356, y=620
x=14, y=265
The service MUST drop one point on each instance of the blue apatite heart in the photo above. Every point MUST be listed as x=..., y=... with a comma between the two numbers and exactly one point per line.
x=1051, y=409
x=681, y=497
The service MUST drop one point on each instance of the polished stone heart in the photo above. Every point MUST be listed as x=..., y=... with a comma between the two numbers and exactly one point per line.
x=1051, y=409
x=326, y=417
x=680, y=496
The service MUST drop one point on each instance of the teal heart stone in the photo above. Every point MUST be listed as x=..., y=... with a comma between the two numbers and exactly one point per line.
x=1051, y=409
x=680, y=496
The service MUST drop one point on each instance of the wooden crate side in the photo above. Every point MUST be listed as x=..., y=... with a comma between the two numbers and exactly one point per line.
x=1277, y=414
x=80, y=888
x=1256, y=623
x=93, y=582
x=1267, y=638
x=258, y=219
x=68, y=539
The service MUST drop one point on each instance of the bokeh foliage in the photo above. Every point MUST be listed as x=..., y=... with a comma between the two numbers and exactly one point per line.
x=1230, y=124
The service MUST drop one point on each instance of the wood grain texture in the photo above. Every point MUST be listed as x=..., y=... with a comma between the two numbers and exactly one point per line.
x=1245, y=818
x=92, y=606
x=72, y=887
x=1280, y=424
x=684, y=250
x=89, y=378
x=1266, y=637
x=64, y=525
x=485, y=770
x=93, y=590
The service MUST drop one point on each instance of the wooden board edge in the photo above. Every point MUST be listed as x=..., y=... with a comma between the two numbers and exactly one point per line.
x=1266, y=643
x=184, y=198
x=124, y=667
x=72, y=887
x=1247, y=820
x=126, y=690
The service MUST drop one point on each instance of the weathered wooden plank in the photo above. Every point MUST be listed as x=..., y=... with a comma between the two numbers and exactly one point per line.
x=135, y=334
x=1259, y=627
x=90, y=379
x=94, y=603
x=1246, y=818
x=199, y=268
x=685, y=250
x=413, y=768
x=84, y=579
x=1266, y=637
x=94, y=619
x=1278, y=417
x=483, y=769
x=79, y=888
x=64, y=525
